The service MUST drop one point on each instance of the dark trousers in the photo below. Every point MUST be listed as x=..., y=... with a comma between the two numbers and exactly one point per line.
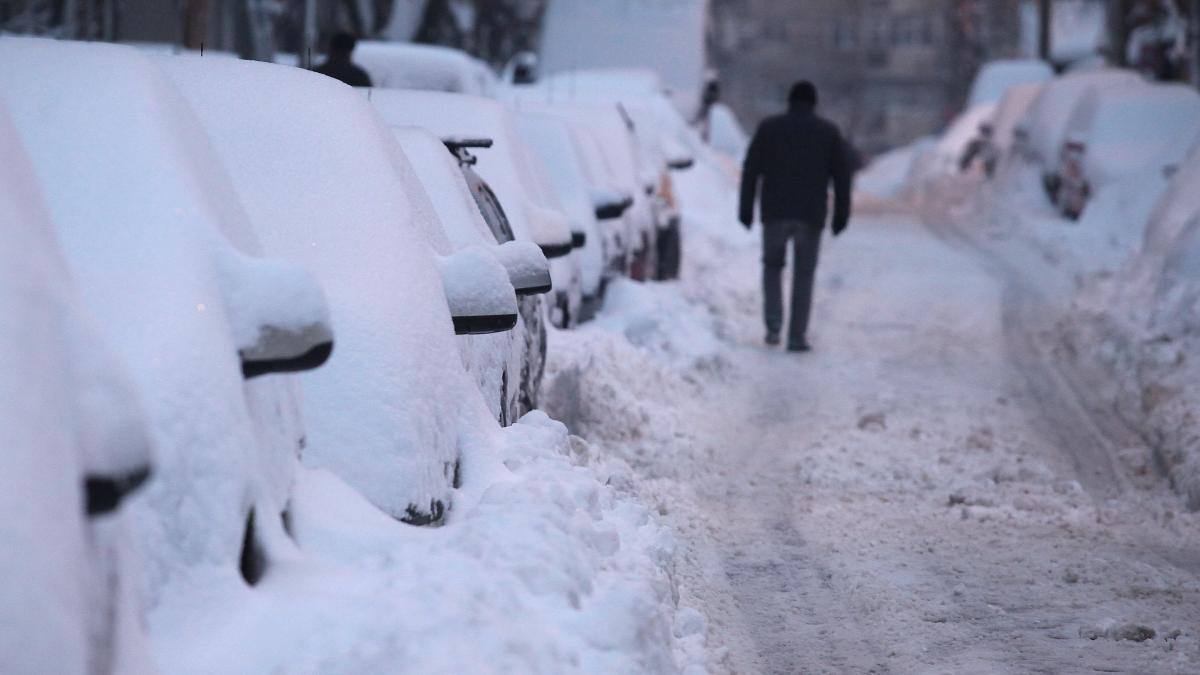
x=806, y=244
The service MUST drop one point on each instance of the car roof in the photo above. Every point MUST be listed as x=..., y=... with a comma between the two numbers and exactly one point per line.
x=1048, y=115
x=447, y=188
x=1131, y=129
x=399, y=65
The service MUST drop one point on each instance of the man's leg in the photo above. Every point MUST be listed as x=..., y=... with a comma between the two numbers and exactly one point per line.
x=807, y=245
x=775, y=238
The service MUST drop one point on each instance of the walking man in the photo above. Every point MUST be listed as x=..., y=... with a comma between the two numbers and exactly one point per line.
x=795, y=156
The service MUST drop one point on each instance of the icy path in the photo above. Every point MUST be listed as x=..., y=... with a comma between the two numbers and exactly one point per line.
x=920, y=495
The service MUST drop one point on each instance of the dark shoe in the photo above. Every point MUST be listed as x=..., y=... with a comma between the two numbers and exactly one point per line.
x=772, y=338
x=799, y=347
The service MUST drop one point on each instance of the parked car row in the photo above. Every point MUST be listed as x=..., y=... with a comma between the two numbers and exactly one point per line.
x=181, y=233
x=1083, y=130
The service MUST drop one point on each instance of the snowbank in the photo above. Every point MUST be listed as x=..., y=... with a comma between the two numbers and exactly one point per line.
x=548, y=565
x=1140, y=326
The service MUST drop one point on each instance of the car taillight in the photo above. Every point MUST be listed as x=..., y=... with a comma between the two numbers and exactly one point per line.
x=666, y=188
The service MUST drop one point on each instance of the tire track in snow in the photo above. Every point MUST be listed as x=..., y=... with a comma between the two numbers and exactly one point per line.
x=1087, y=433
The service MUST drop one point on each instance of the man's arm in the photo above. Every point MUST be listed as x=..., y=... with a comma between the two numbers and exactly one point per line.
x=751, y=172
x=841, y=174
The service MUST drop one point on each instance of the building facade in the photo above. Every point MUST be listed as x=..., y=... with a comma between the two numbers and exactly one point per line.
x=889, y=71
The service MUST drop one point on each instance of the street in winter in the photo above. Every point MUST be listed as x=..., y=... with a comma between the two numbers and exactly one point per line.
x=599, y=336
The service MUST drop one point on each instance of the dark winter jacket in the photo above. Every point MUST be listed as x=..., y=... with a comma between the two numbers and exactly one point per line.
x=796, y=156
x=346, y=72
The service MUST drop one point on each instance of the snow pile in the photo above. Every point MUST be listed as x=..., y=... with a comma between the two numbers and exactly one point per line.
x=546, y=565
x=1140, y=326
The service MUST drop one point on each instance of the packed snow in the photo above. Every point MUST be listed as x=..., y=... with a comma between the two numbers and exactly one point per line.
x=923, y=493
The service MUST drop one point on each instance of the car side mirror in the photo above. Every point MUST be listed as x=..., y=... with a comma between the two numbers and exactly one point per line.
x=527, y=267
x=678, y=156
x=550, y=230
x=104, y=493
x=578, y=239
x=279, y=316
x=116, y=447
x=478, y=292
x=610, y=205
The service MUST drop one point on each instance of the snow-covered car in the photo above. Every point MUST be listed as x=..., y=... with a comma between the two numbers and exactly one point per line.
x=945, y=156
x=610, y=203
x=665, y=142
x=1046, y=120
x=324, y=182
x=504, y=365
x=1167, y=264
x=628, y=175
x=507, y=163
x=995, y=78
x=162, y=253
x=1119, y=132
x=552, y=139
x=403, y=65
x=75, y=447
x=1009, y=134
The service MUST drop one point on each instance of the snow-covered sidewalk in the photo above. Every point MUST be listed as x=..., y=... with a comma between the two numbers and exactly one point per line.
x=920, y=494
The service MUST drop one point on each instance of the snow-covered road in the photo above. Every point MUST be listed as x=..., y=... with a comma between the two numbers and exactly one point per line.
x=925, y=493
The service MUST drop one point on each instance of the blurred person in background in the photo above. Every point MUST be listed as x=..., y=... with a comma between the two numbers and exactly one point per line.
x=795, y=156
x=339, y=65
